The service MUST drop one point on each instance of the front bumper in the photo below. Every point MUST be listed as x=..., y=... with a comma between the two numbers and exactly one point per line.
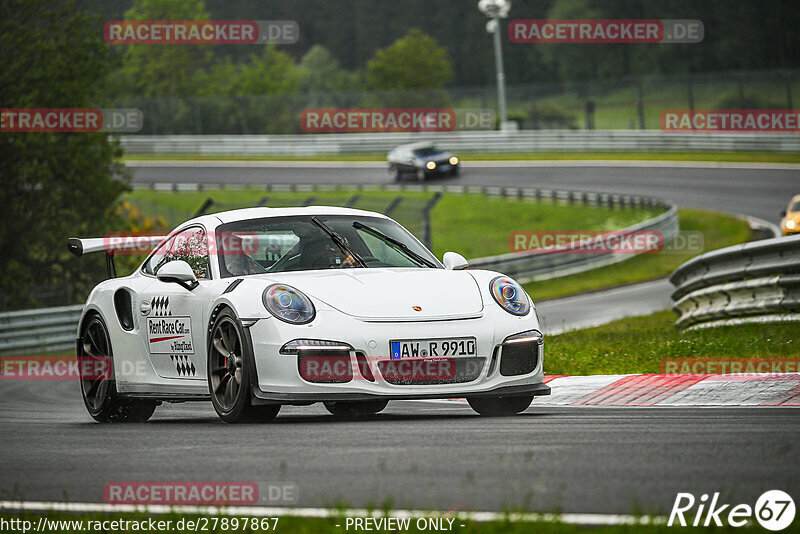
x=279, y=378
x=503, y=391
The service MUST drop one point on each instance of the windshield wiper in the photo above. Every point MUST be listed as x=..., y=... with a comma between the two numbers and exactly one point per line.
x=339, y=240
x=396, y=244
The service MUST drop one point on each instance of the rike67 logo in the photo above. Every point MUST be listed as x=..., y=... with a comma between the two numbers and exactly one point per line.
x=774, y=510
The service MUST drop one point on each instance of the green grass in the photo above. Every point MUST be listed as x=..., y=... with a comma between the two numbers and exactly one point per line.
x=640, y=344
x=473, y=225
x=718, y=231
x=299, y=525
x=743, y=157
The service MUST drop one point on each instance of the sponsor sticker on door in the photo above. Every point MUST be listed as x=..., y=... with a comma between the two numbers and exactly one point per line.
x=170, y=335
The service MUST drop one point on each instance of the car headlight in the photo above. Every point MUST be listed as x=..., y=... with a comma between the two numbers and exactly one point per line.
x=288, y=304
x=453, y=160
x=510, y=295
x=791, y=225
x=531, y=336
x=430, y=165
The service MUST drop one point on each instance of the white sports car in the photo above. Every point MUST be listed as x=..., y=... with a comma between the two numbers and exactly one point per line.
x=261, y=307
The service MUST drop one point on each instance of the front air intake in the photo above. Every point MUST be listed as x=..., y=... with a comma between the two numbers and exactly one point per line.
x=324, y=365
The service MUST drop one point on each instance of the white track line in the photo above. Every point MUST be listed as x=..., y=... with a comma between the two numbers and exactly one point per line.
x=474, y=164
x=257, y=164
x=324, y=513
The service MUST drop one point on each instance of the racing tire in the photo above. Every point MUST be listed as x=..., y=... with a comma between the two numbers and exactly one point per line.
x=455, y=171
x=231, y=373
x=355, y=409
x=394, y=172
x=420, y=175
x=500, y=406
x=98, y=384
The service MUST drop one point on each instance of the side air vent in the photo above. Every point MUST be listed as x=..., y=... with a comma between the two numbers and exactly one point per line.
x=124, y=308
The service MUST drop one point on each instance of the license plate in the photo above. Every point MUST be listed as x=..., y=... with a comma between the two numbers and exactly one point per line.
x=444, y=167
x=432, y=348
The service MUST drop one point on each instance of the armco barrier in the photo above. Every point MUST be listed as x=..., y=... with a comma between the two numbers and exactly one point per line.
x=465, y=141
x=757, y=281
x=53, y=329
x=47, y=329
x=524, y=267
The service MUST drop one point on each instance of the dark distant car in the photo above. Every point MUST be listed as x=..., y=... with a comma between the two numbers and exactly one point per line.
x=421, y=160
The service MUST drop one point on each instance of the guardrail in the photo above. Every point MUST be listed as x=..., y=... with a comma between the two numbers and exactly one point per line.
x=757, y=281
x=526, y=267
x=53, y=329
x=46, y=329
x=465, y=141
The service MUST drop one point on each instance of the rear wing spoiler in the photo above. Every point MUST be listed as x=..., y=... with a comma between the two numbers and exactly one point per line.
x=109, y=245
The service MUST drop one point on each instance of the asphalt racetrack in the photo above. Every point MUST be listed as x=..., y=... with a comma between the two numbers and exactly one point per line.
x=747, y=189
x=436, y=454
x=419, y=455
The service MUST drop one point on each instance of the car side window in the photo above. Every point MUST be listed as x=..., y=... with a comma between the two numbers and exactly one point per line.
x=189, y=245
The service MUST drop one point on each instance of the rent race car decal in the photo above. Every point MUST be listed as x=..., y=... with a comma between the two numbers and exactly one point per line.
x=170, y=335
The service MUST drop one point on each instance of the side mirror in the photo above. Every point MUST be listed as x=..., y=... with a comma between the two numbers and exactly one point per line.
x=178, y=272
x=454, y=261
x=783, y=213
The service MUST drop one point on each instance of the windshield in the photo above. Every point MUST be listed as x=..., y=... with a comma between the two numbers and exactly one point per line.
x=795, y=207
x=426, y=151
x=283, y=244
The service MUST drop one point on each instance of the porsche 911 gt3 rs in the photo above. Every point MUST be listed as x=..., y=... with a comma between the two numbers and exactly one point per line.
x=257, y=308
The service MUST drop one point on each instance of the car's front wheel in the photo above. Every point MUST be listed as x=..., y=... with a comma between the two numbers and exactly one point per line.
x=355, y=409
x=231, y=374
x=499, y=406
x=394, y=172
x=98, y=384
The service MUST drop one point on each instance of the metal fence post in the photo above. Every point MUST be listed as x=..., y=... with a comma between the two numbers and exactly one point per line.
x=204, y=208
x=427, y=238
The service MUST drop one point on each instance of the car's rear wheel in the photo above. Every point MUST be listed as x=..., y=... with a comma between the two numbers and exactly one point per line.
x=355, y=409
x=98, y=384
x=231, y=374
x=499, y=406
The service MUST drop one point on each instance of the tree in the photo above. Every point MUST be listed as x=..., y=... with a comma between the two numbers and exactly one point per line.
x=412, y=62
x=271, y=71
x=253, y=97
x=322, y=74
x=151, y=70
x=54, y=185
x=584, y=61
